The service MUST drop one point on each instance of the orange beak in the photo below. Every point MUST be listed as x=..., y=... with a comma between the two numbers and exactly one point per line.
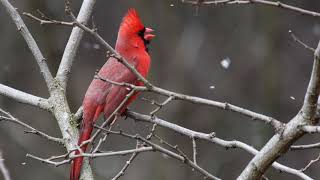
x=147, y=34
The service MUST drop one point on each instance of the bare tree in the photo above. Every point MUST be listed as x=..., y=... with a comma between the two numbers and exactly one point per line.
x=285, y=134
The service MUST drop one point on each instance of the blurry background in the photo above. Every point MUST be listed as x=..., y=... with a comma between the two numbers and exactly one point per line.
x=268, y=74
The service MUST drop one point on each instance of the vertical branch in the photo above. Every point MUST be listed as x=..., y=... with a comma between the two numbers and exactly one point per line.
x=73, y=43
x=194, y=147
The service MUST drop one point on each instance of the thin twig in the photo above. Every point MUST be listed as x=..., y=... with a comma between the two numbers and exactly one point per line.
x=13, y=119
x=47, y=20
x=310, y=163
x=262, y=2
x=277, y=125
x=174, y=147
x=125, y=167
x=90, y=155
x=306, y=146
x=149, y=136
x=101, y=140
x=181, y=156
x=296, y=39
x=93, y=137
x=211, y=138
x=170, y=98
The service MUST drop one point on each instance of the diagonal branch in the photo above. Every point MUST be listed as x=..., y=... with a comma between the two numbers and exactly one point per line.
x=211, y=138
x=73, y=43
x=114, y=54
x=277, y=125
x=310, y=163
x=22, y=28
x=280, y=143
x=13, y=119
x=126, y=166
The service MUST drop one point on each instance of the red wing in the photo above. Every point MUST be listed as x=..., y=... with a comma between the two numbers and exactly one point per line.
x=118, y=93
x=99, y=90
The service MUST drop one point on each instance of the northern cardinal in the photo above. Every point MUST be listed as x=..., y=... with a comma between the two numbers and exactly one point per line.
x=132, y=41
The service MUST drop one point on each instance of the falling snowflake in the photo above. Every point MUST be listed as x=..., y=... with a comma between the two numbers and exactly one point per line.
x=293, y=98
x=171, y=5
x=212, y=87
x=225, y=63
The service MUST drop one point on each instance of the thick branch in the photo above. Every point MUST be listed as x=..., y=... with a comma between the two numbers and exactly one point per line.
x=280, y=143
x=73, y=43
x=23, y=97
x=22, y=28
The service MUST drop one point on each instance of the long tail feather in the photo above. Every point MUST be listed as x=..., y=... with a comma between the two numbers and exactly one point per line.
x=77, y=162
x=85, y=133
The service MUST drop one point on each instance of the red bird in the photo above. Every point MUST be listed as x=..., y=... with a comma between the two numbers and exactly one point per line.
x=132, y=41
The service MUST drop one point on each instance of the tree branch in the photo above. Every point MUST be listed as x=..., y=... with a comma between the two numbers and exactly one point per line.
x=296, y=39
x=310, y=163
x=306, y=146
x=211, y=138
x=311, y=129
x=24, y=98
x=194, y=150
x=13, y=119
x=73, y=43
x=262, y=2
x=280, y=143
x=22, y=28
x=277, y=125
x=125, y=167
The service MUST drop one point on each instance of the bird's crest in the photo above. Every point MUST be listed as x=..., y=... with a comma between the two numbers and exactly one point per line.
x=131, y=22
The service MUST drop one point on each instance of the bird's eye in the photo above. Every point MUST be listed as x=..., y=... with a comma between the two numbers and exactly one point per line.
x=141, y=33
